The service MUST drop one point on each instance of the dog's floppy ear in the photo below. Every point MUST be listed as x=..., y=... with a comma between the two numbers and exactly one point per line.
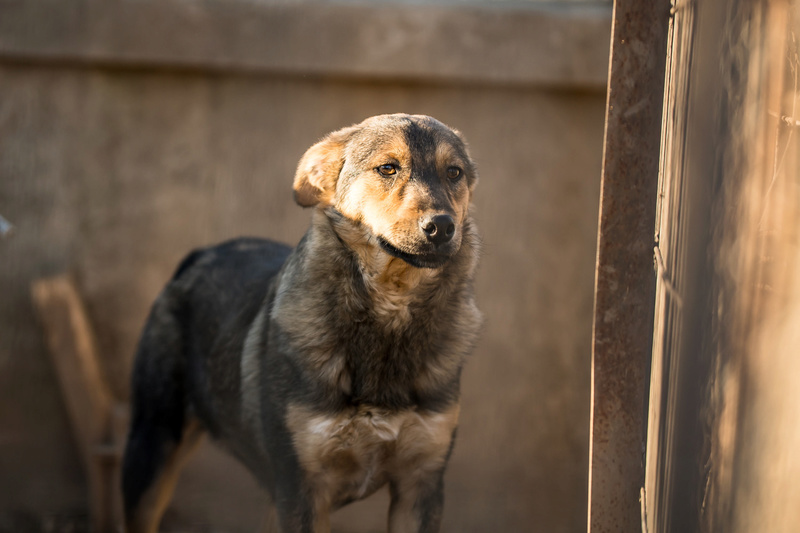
x=318, y=170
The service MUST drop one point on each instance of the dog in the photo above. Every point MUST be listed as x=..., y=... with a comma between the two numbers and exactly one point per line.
x=331, y=369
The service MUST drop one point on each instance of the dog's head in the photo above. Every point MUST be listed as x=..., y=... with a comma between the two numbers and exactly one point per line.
x=407, y=179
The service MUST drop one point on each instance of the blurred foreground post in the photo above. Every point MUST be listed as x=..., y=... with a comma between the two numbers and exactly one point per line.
x=724, y=424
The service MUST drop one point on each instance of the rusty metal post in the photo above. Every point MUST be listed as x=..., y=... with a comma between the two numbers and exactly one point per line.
x=625, y=279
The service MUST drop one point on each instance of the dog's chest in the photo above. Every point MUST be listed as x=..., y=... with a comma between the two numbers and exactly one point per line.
x=349, y=455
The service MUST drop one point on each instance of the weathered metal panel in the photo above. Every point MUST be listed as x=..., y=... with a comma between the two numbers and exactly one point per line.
x=625, y=279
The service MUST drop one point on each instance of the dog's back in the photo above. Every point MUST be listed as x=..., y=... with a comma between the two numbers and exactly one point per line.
x=186, y=364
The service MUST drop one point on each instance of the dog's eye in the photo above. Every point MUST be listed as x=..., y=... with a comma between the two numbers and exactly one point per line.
x=453, y=173
x=387, y=170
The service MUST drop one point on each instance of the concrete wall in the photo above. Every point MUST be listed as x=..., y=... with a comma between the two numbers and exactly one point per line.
x=113, y=170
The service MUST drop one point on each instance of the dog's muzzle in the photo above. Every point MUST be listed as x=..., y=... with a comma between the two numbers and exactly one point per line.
x=438, y=229
x=437, y=247
x=421, y=260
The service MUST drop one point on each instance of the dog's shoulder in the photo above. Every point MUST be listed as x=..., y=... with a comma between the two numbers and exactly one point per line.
x=243, y=256
x=224, y=282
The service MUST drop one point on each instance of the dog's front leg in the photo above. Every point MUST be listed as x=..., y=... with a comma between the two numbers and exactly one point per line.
x=417, y=505
x=302, y=512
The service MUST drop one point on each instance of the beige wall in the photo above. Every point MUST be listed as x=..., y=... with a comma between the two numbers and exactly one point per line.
x=114, y=174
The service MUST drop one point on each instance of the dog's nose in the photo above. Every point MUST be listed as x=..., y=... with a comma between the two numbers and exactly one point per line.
x=439, y=229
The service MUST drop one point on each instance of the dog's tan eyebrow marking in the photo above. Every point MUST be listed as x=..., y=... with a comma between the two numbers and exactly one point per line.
x=448, y=154
x=388, y=158
x=394, y=148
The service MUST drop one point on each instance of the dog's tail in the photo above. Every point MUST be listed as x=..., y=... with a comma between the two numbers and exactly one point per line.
x=160, y=434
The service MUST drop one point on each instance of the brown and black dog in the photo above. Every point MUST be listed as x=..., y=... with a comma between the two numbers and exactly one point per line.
x=331, y=369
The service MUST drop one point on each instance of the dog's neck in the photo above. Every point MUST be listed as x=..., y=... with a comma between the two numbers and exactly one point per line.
x=392, y=283
x=330, y=306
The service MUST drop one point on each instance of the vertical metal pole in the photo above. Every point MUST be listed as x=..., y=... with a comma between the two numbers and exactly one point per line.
x=625, y=278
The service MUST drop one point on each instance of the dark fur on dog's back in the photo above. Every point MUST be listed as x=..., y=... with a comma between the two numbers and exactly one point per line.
x=190, y=321
x=331, y=369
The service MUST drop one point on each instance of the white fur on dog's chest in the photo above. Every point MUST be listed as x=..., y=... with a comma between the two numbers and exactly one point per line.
x=352, y=453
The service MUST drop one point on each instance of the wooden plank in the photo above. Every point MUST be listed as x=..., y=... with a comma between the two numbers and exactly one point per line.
x=74, y=354
x=93, y=414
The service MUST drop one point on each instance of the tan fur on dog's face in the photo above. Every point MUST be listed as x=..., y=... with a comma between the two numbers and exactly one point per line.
x=392, y=174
